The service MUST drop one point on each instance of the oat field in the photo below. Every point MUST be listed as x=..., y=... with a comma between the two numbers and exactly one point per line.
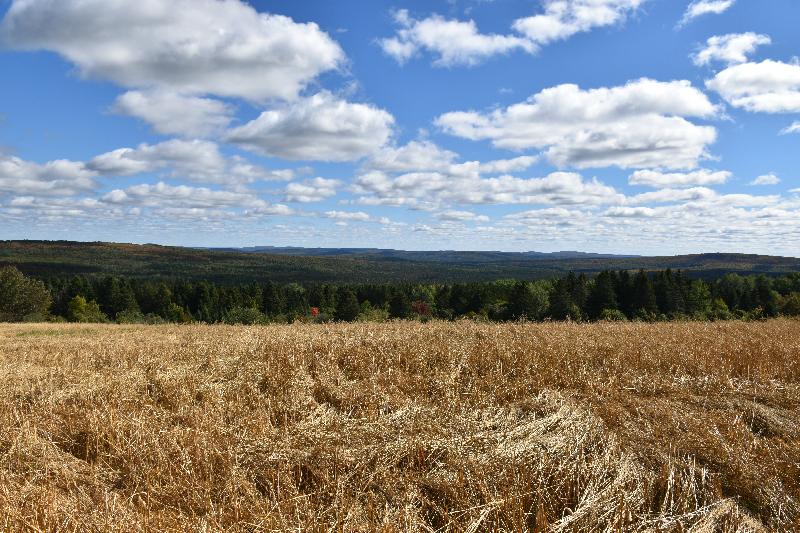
x=401, y=427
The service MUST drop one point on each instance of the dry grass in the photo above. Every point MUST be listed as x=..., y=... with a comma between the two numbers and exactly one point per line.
x=401, y=427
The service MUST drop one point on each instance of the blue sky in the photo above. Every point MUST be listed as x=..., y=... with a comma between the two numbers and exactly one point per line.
x=625, y=126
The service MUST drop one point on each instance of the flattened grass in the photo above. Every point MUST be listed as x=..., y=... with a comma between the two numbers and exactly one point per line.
x=401, y=427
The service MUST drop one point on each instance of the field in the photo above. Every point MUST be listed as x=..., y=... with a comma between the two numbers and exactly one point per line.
x=401, y=427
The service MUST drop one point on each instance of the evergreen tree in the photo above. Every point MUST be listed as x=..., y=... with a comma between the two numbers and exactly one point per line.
x=399, y=305
x=625, y=293
x=644, y=297
x=527, y=301
x=273, y=302
x=562, y=307
x=347, y=308
x=766, y=298
x=602, y=295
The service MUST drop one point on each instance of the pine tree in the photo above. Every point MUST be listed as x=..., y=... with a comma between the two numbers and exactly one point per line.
x=644, y=297
x=602, y=296
x=347, y=308
x=399, y=305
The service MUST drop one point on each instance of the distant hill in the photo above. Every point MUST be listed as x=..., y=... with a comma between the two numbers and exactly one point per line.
x=442, y=256
x=48, y=259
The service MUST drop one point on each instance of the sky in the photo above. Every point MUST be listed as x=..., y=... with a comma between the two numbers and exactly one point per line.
x=653, y=127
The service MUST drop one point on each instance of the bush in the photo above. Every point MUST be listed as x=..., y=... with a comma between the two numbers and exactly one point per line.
x=373, y=314
x=613, y=315
x=131, y=316
x=244, y=316
x=176, y=313
x=790, y=305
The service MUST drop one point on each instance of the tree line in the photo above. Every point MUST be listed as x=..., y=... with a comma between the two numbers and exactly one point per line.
x=609, y=295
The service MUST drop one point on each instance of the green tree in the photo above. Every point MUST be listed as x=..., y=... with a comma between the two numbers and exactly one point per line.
x=22, y=298
x=644, y=297
x=527, y=300
x=176, y=313
x=347, y=308
x=562, y=306
x=399, y=305
x=602, y=295
x=79, y=310
x=790, y=305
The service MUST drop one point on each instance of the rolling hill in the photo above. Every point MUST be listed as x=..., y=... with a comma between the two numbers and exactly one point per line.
x=48, y=259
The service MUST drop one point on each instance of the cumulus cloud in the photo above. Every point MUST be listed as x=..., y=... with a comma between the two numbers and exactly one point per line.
x=766, y=179
x=313, y=190
x=639, y=125
x=54, y=178
x=348, y=216
x=630, y=212
x=419, y=188
x=426, y=156
x=162, y=200
x=461, y=216
x=658, y=180
x=171, y=113
x=161, y=195
x=698, y=8
x=189, y=46
x=731, y=49
x=197, y=160
x=414, y=156
x=456, y=42
x=321, y=128
x=792, y=128
x=453, y=42
x=700, y=197
x=766, y=87
x=564, y=18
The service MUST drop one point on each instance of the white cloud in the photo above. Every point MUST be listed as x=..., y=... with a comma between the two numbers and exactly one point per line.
x=54, y=178
x=766, y=87
x=348, y=216
x=190, y=46
x=793, y=128
x=630, y=212
x=698, y=8
x=766, y=179
x=433, y=188
x=699, y=197
x=504, y=166
x=161, y=195
x=313, y=190
x=461, y=216
x=321, y=128
x=656, y=179
x=171, y=113
x=694, y=194
x=564, y=18
x=638, y=125
x=426, y=156
x=454, y=42
x=731, y=49
x=414, y=156
x=199, y=161
x=558, y=214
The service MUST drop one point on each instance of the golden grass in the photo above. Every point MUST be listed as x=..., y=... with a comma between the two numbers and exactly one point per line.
x=401, y=427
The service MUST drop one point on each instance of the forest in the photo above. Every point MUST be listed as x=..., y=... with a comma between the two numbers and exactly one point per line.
x=609, y=295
